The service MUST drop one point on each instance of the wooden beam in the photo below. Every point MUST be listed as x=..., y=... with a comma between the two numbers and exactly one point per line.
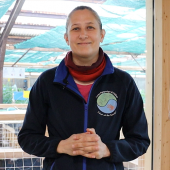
x=11, y=47
x=165, y=163
x=30, y=65
x=3, y=39
x=162, y=86
x=12, y=40
x=4, y=106
x=2, y=57
x=12, y=115
x=27, y=26
x=157, y=157
x=8, y=26
x=19, y=37
x=40, y=65
x=21, y=57
x=149, y=81
x=39, y=14
x=11, y=153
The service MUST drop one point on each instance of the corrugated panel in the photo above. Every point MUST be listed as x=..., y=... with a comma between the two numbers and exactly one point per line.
x=4, y=5
x=125, y=29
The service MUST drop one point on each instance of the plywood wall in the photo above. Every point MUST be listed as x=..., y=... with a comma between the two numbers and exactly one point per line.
x=162, y=86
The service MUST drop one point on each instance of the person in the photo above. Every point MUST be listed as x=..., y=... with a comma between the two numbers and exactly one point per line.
x=84, y=102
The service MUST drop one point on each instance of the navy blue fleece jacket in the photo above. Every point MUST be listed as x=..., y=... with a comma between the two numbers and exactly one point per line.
x=114, y=102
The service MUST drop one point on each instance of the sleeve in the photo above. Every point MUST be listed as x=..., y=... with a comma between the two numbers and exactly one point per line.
x=32, y=137
x=135, y=129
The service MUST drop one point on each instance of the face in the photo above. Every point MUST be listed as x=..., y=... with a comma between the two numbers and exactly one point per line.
x=84, y=35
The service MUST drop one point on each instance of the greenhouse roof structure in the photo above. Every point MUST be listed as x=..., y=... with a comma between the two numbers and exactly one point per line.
x=36, y=40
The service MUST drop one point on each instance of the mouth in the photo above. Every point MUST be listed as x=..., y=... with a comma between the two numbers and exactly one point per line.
x=84, y=43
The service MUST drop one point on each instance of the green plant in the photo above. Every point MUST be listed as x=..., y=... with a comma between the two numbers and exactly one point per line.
x=21, y=101
x=7, y=94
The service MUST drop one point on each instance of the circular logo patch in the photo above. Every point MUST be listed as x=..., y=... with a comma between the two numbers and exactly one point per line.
x=107, y=102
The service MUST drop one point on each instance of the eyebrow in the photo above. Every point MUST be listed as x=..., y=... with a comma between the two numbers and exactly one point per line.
x=79, y=24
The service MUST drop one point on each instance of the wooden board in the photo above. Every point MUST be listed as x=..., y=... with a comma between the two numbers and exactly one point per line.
x=161, y=159
x=4, y=106
x=10, y=153
x=12, y=115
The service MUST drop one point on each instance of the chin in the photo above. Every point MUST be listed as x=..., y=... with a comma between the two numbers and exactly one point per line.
x=85, y=54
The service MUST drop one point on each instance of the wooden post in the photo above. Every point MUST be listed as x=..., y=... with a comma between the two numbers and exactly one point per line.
x=2, y=56
x=162, y=86
x=3, y=39
x=165, y=163
x=0, y=135
x=149, y=79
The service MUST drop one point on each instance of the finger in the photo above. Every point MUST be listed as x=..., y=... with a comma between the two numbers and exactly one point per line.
x=86, y=154
x=91, y=130
x=87, y=137
x=89, y=149
x=79, y=152
x=78, y=136
x=84, y=144
x=90, y=138
x=87, y=132
x=89, y=155
x=93, y=155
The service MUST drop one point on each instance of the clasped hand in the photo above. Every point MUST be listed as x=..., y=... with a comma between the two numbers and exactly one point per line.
x=87, y=144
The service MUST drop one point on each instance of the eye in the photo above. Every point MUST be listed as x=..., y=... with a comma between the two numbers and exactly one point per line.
x=76, y=28
x=90, y=27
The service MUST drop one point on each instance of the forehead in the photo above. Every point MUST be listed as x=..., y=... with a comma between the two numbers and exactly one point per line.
x=82, y=16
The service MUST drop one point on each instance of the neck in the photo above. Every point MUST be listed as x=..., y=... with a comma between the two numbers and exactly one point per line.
x=85, y=73
x=84, y=60
x=82, y=82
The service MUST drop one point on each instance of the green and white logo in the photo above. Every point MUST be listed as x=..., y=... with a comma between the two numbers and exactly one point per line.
x=107, y=103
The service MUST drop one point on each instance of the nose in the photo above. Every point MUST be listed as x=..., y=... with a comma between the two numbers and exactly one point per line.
x=83, y=34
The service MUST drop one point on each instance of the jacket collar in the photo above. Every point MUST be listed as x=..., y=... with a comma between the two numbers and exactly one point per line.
x=61, y=72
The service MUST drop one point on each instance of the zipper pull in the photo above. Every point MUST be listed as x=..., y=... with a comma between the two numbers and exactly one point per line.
x=66, y=82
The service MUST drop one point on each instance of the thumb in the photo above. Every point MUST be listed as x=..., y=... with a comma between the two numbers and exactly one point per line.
x=91, y=130
x=87, y=132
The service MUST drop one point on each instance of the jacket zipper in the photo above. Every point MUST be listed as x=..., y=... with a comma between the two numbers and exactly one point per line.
x=85, y=127
x=52, y=165
x=85, y=114
x=86, y=120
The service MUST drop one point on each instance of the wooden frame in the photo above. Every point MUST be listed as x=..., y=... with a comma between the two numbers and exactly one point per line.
x=149, y=77
x=148, y=107
x=12, y=115
x=161, y=159
x=4, y=106
x=14, y=153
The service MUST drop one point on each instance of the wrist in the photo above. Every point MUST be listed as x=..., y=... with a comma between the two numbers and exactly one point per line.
x=107, y=152
x=60, y=147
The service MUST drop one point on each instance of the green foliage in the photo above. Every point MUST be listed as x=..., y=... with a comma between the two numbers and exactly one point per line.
x=7, y=94
x=21, y=101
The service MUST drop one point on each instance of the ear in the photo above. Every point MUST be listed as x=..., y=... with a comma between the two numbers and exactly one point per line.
x=103, y=32
x=66, y=38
